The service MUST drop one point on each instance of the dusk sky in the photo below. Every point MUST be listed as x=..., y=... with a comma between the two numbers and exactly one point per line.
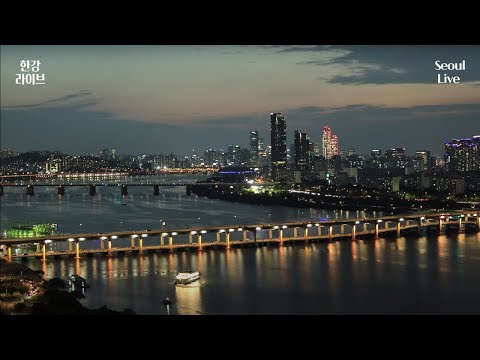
x=159, y=99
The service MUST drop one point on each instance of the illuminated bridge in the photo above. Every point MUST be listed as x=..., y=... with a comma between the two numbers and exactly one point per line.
x=203, y=238
x=92, y=188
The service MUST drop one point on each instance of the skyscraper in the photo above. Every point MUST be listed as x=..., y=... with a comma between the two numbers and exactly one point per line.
x=329, y=143
x=254, y=148
x=302, y=151
x=463, y=155
x=422, y=160
x=278, y=128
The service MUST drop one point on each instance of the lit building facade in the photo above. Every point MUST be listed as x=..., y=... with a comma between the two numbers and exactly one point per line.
x=278, y=132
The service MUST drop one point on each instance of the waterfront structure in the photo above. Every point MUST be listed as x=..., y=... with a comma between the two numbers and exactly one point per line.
x=278, y=128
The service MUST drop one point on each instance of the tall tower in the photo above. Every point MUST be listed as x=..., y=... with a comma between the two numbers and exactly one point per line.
x=302, y=150
x=254, y=148
x=326, y=142
x=278, y=128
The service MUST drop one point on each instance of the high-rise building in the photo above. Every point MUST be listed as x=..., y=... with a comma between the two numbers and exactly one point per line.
x=329, y=143
x=114, y=154
x=376, y=154
x=463, y=155
x=278, y=131
x=302, y=151
x=422, y=160
x=254, y=148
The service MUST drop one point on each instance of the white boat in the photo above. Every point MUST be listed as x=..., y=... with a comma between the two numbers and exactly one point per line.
x=187, y=277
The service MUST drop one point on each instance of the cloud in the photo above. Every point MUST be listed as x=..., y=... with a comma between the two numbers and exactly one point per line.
x=82, y=98
x=393, y=64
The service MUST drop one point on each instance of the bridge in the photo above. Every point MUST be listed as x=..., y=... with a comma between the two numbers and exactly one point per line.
x=238, y=235
x=30, y=188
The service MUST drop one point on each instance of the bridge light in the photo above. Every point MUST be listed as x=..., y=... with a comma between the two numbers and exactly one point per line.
x=442, y=217
x=114, y=237
x=174, y=233
x=103, y=238
x=379, y=220
x=317, y=224
x=239, y=229
x=81, y=239
x=203, y=231
x=422, y=218
x=357, y=222
x=48, y=241
x=71, y=239
x=230, y=230
x=164, y=234
x=401, y=219
x=275, y=227
x=134, y=236
x=221, y=230
x=193, y=232
x=258, y=228
x=309, y=225
x=144, y=235
x=475, y=215
x=284, y=226
x=462, y=215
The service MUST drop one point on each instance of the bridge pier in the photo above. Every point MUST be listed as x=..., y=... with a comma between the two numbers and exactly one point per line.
x=353, y=231
x=376, y=230
x=140, y=245
x=460, y=225
x=9, y=253
x=44, y=251
x=199, y=242
x=190, y=238
x=330, y=232
x=77, y=249
x=61, y=190
x=92, y=190
x=440, y=225
x=295, y=232
x=132, y=241
x=270, y=234
x=109, y=244
x=170, y=243
x=156, y=190
x=319, y=231
x=38, y=248
x=244, y=235
x=399, y=226
x=124, y=189
x=305, y=234
x=218, y=237
x=30, y=190
x=478, y=223
x=101, y=244
x=162, y=240
x=227, y=239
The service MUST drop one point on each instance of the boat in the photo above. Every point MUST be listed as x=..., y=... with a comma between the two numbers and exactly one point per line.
x=184, y=278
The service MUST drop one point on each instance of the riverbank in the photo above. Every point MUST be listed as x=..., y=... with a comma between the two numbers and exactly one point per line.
x=24, y=291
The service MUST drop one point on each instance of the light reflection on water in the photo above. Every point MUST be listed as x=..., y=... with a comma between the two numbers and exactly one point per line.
x=434, y=274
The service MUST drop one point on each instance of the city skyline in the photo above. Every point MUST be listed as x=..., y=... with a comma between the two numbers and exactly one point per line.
x=157, y=99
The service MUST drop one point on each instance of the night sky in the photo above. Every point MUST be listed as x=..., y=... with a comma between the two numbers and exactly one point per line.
x=159, y=99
